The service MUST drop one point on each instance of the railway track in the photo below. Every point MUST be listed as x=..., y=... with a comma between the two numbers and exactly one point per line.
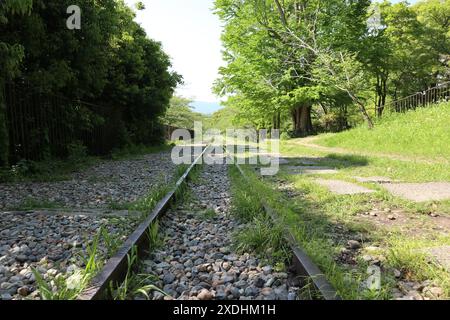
x=196, y=259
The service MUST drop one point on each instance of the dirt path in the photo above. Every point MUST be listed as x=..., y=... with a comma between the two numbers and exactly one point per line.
x=310, y=142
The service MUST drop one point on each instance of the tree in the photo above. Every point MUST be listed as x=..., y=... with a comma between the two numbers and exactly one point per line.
x=273, y=48
x=402, y=53
x=435, y=16
x=180, y=114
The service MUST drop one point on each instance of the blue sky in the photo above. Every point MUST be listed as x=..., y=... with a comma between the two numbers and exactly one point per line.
x=190, y=34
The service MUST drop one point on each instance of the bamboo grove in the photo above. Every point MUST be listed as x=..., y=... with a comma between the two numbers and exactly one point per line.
x=107, y=77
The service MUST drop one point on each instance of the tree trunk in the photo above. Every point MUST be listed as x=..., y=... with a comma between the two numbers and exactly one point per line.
x=279, y=120
x=4, y=136
x=276, y=122
x=302, y=121
x=381, y=89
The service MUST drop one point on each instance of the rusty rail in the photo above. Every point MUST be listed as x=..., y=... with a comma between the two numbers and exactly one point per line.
x=115, y=269
x=304, y=266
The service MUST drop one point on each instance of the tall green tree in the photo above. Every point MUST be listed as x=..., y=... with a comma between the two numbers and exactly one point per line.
x=404, y=53
x=180, y=114
x=274, y=48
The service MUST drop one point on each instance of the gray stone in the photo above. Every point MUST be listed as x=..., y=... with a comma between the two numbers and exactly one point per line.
x=420, y=192
x=6, y=296
x=353, y=244
x=440, y=255
x=23, y=291
x=267, y=270
x=205, y=295
x=380, y=180
x=169, y=278
x=433, y=292
x=259, y=282
x=251, y=291
x=189, y=264
x=21, y=258
x=311, y=170
x=269, y=282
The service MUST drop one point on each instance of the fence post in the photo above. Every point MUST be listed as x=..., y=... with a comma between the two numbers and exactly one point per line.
x=4, y=135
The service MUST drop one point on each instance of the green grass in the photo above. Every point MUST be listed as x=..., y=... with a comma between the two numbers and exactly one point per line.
x=208, y=214
x=34, y=204
x=323, y=222
x=70, y=287
x=145, y=204
x=310, y=229
x=424, y=133
x=260, y=235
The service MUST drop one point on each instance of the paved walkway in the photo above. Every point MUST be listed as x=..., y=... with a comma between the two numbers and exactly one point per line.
x=310, y=143
x=420, y=192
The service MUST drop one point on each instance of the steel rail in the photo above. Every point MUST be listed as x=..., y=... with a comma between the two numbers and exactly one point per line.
x=115, y=269
x=303, y=264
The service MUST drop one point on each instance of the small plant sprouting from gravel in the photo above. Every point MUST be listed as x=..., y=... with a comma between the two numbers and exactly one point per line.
x=134, y=284
x=208, y=214
x=62, y=288
x=155, y=238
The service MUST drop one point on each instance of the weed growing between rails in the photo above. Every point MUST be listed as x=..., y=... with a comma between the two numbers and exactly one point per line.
x=133, y=283
x=260, y=235
x=69, y=287
x=136, y=283
x=62, y=288
x=142, y=285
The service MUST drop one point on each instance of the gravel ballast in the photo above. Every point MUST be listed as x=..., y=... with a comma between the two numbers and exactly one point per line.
x=197, y=260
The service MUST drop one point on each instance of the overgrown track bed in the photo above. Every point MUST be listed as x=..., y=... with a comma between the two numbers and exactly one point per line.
x=54, y=246
x=66, y=246
x=315, y=284
x=197, y=260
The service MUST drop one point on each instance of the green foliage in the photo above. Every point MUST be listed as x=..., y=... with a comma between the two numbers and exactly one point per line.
x=109, y=62
x=140, y=5
x=226, y=118
x=180, y=114
x=70, y=287
x=342, y=55
x=208, y=214
x=154, y=237
x=271, y=56
x=260, y=235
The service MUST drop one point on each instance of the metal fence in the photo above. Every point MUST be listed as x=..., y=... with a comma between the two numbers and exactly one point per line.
x=44, y=125
x=440, y=93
